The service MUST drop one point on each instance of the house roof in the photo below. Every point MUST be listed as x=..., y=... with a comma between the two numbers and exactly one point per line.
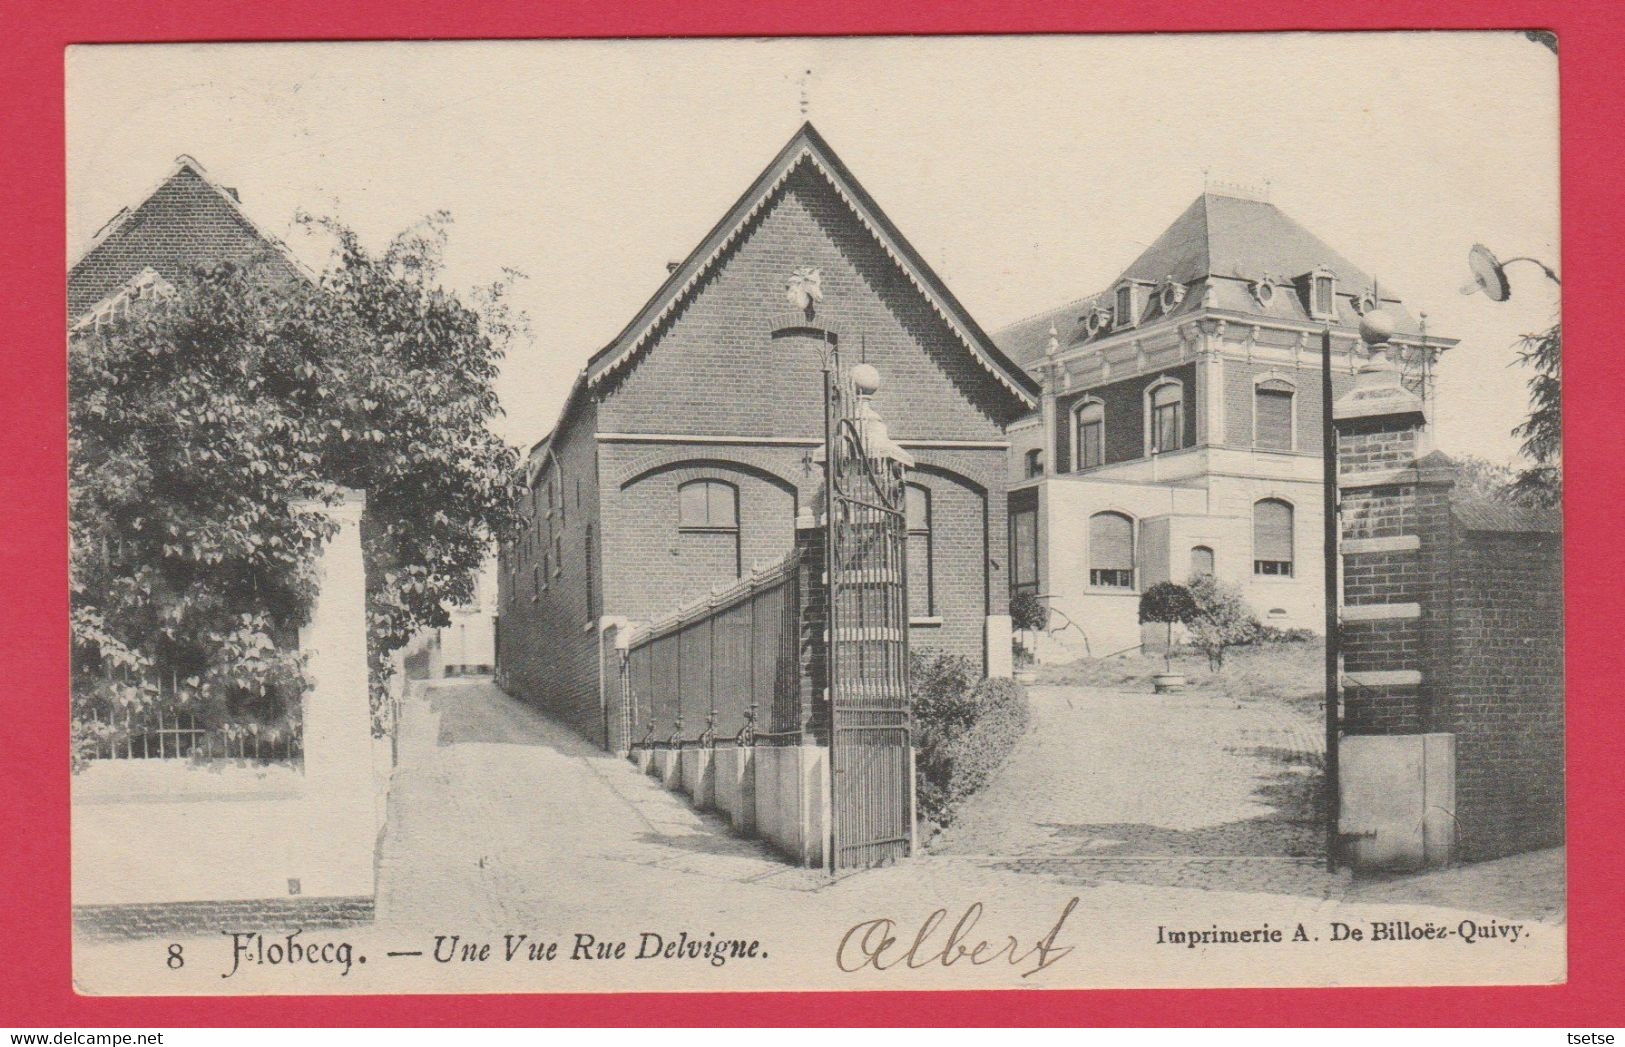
x=187, y=220
x=1217, y=249
x=807, y=146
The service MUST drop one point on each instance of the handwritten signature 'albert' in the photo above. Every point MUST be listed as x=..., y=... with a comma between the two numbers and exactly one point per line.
x=873, y=943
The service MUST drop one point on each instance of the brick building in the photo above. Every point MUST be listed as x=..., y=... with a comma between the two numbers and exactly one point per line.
x=1180, y=428
x=186, y=222
x=687, y=445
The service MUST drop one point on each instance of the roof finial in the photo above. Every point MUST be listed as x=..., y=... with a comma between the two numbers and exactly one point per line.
x=806, y=99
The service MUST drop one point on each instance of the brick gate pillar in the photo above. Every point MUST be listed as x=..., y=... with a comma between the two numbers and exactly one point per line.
x=1397, y=777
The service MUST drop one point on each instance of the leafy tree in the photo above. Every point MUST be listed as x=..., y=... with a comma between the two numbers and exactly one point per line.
x=1167, y=602
x=200, y=421
x=408, y=422
x=1221, y=619
x=188, y=452
x=1541, y=483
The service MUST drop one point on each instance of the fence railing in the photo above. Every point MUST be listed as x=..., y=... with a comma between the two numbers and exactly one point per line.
x=727, y=668
x=160, y=734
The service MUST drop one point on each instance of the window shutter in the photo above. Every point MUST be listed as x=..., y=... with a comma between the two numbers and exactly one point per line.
x=1201, y=561
x=1323, y=296
x=1111, y=542
x=1273, y=407
x=1272, y=530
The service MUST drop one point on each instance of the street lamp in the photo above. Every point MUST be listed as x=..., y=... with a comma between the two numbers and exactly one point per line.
x=1490, y=276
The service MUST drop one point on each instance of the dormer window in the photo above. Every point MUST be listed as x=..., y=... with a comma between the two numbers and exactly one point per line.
x=1125, y=311
x=1323, y=295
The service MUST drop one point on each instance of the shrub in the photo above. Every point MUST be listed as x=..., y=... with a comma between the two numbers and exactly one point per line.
x=964, y=730
x=1263, y=633
x=1222, y=619
x=1028, y=613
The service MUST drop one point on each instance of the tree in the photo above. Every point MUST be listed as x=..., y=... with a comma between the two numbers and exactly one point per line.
x=408, y=422
x=1221, y=619
x=1167, y=602
x=199, y=423
x=1541, y=483
x=189, y=451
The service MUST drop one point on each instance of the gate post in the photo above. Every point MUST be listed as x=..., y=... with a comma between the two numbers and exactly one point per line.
x=1396, y=777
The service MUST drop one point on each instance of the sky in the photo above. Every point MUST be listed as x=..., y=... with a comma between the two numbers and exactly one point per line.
x=1028, y=171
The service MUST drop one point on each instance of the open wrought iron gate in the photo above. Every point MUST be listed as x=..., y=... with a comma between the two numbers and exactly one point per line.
x=871, y=763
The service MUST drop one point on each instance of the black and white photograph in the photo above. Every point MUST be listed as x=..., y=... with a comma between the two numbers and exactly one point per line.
x=894, y=513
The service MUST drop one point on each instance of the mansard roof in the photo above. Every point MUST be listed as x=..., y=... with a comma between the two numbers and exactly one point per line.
x=807, y=146
x=1216, y=251
x=187, y=221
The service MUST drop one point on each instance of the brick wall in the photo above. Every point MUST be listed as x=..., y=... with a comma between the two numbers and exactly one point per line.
x=260, y=914
x=715, y=371
x=1471, y=640
x=1241, y=379
x=184, y=225
x=548, y=644
x=1124, y=408
x=1506, y=690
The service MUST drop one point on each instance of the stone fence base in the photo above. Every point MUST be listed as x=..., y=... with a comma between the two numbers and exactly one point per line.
x=779, y=793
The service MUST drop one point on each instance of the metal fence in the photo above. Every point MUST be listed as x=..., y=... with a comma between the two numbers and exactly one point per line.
x=169, y=734
x=724, y=669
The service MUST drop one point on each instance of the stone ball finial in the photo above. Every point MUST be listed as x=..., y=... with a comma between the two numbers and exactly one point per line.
x=866, y=379
x=1377, y=327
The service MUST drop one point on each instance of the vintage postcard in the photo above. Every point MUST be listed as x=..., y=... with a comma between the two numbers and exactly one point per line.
x=868, y=513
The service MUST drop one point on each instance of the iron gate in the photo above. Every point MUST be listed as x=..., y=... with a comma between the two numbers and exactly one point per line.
x=871, y=774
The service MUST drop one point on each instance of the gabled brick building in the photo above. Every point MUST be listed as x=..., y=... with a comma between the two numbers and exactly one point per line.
x=1180, y=430
x=186, y=222
x=687, y=445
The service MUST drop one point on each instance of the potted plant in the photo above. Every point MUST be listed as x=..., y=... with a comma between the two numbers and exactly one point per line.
x=1167, y=602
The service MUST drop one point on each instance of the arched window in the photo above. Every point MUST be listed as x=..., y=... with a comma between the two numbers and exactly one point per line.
x=1090, y=423
x=1272, y=538
x=1111, y=551
x=1034, y=463
x=708, y=525
x=921, y=578
x=1201, y=561
x=1165, y=415
x=1273, y=428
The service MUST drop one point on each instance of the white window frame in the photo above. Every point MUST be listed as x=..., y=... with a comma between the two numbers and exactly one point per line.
x=1148, y=398
x=1275, y=376
x=1078, y=408
x=1133, y=551
x=1292, y=506
x=1315, y=277
x=1119, y=321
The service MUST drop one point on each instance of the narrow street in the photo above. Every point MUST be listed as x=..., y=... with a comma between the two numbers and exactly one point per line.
x=504, y=828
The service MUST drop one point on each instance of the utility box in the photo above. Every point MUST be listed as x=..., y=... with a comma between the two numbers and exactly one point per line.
x=1397, y=801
